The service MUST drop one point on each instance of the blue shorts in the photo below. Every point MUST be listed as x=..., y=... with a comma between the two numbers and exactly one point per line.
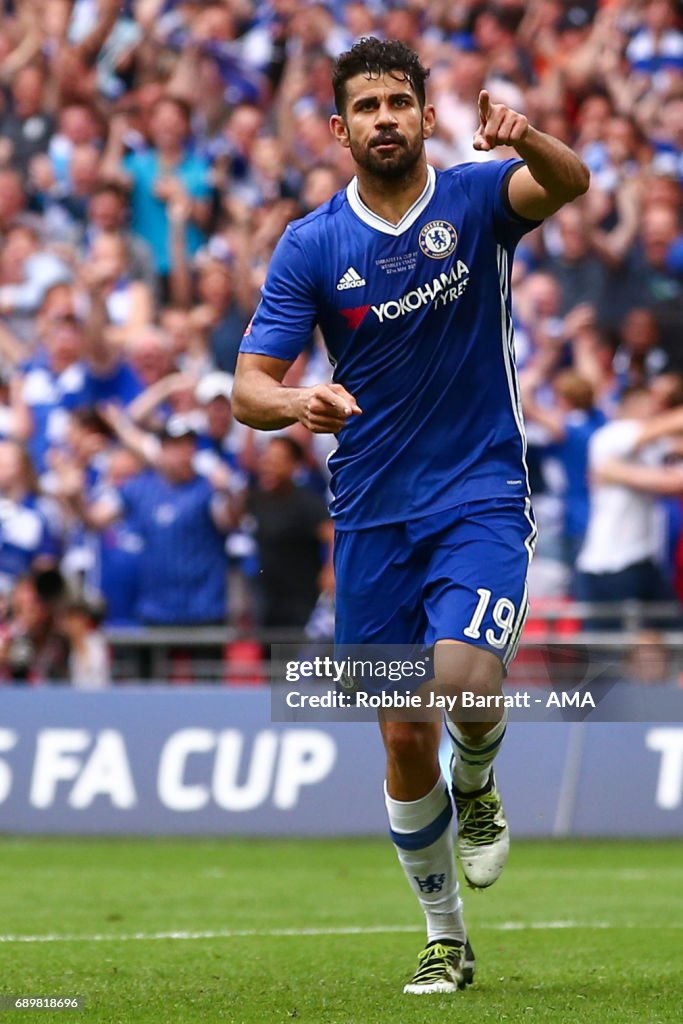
x=455, y=575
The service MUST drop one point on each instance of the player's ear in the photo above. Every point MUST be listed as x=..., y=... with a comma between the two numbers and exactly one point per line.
x=339, y=130
x=428, y=121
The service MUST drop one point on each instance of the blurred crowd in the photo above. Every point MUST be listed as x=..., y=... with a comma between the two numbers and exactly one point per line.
x=151, y=154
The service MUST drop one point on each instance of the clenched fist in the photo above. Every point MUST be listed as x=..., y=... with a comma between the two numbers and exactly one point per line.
x=325, y=408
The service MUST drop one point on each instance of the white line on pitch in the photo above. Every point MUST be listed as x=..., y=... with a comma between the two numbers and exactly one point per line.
x=273, y=933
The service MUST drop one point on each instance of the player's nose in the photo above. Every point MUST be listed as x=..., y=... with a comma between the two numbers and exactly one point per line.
x=385, y=116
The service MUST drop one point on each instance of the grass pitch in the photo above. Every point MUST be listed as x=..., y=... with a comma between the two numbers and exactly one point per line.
x=326, y=932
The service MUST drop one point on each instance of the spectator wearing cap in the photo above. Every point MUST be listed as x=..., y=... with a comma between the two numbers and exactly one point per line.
x=206, y=410
x=140, y=424
x=603, y=77
x=182, y=520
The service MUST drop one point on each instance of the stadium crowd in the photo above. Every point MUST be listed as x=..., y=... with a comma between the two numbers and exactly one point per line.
x=151, y=154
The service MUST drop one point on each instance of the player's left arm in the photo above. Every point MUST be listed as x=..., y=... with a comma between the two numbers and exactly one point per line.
x=553, y=175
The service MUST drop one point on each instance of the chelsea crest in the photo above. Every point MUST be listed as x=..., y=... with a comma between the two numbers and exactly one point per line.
x=438, y=239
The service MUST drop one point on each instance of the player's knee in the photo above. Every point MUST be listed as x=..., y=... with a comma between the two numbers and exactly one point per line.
x=408, y=742
x=461, y=667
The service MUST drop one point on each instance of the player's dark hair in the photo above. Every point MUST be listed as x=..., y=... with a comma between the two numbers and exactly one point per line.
x=375, y=57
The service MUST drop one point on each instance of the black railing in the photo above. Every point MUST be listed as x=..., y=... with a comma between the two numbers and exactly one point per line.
x=230, y=654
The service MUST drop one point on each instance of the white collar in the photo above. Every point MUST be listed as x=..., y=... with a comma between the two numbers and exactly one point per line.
x=373, y=220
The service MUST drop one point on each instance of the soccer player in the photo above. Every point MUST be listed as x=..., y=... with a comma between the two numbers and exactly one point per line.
x=407, y=272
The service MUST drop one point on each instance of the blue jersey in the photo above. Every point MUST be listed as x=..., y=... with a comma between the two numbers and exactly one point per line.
x=121, y=385
x=572, y=452
x=25, y=535
x=183, y=560
x=49, y=397
x=416, y=319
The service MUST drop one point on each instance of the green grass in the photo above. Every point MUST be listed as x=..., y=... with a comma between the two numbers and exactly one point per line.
x=620, y=962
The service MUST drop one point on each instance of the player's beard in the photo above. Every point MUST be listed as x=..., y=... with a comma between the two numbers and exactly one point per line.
x=394, y=166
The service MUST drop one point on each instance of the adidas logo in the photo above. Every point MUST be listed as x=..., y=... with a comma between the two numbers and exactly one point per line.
x=351, y=279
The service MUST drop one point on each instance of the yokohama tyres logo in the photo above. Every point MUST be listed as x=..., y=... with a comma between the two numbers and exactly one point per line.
x=440, y=291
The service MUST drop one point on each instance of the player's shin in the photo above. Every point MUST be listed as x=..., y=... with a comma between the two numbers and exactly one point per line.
x=473, y=758
x=421, y=833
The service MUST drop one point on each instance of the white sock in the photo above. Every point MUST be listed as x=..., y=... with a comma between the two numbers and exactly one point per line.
x=473, y=759
x=421, y=833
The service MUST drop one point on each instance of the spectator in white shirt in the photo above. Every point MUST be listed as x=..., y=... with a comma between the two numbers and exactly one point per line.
x=618, y=560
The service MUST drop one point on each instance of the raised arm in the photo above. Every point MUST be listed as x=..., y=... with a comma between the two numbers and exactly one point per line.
x=70, y=490
x=11, y=349
x=553, y=176
x=89, y=48
x=548, y=418
x=141, y=443
x=531, y=379
x=667, y=480
x=261, y=400
x=665, y=424
x=111, y=165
